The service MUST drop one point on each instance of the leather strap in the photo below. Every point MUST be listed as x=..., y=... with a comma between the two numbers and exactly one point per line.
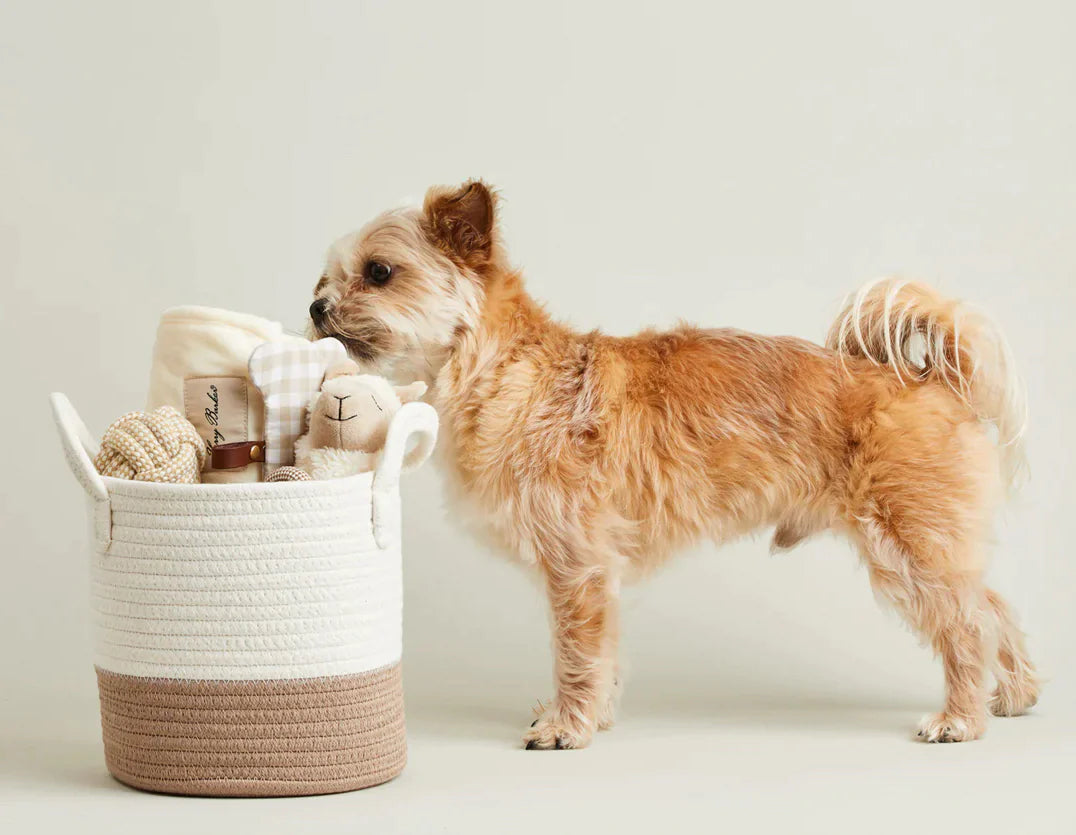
x=232, y=456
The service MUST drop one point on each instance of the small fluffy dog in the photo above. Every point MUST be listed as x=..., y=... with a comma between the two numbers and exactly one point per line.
x=592, y=457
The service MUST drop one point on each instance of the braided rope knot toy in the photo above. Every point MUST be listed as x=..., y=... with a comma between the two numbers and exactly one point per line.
x=161, y=445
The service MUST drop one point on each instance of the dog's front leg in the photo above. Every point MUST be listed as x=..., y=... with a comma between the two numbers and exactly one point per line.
x=583, y=599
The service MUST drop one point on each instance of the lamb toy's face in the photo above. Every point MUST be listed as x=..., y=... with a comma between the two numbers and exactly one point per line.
x=353, y=411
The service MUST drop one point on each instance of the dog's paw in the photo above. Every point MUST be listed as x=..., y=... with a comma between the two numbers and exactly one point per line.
x=1010, y=701
x=945, y=727
x=558, y=729
x=608, y=706
x=606, y=717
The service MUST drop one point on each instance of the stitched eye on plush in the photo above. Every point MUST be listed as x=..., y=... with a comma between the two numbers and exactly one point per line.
x=377, y=272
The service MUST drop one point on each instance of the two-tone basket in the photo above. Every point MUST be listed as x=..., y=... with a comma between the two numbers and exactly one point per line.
x=248, y=636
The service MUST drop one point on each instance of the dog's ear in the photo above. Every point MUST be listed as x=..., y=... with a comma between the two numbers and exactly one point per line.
x=408, y=394
x=462, y=221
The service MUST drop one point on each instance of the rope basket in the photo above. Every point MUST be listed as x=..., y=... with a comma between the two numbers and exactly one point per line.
x=248, y=637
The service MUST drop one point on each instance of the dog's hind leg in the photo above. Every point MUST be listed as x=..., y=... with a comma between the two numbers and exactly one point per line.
x=612, y=674
x=1018, y=688
x=948, y=608
x=583, y=596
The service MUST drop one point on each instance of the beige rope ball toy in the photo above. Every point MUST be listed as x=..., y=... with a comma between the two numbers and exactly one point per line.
x=161, y=445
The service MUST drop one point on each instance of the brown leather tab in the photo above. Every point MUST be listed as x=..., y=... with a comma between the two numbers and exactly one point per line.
x=231, y=456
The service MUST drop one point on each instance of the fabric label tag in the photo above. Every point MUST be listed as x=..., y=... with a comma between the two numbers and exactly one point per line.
x=217, y=406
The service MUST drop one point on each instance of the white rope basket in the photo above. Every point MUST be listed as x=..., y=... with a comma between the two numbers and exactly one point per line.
x=248, y=637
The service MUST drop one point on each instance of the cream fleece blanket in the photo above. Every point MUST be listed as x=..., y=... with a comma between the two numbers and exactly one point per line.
x=200, y=368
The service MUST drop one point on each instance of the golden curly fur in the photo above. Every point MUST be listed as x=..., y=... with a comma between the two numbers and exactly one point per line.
x=593, y=457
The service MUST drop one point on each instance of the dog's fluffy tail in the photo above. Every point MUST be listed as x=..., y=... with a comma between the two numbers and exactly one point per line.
x=920, y=334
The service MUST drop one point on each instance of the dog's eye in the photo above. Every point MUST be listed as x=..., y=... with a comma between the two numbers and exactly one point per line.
x=378, y=272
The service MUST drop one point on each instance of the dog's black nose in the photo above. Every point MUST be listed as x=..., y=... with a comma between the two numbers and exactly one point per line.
x=318, y=308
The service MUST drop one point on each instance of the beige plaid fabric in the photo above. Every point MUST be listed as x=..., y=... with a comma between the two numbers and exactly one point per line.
x=288, y=375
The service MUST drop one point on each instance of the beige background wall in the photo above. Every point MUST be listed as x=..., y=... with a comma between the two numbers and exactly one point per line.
x=742, y=168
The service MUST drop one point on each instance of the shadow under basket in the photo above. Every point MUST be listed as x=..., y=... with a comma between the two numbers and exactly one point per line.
x=247, y=637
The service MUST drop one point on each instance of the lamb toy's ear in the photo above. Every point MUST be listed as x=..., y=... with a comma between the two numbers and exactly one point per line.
x=407, y=394
x=343, y=369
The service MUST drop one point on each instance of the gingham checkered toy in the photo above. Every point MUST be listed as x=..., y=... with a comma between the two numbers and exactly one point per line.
x=288, y=375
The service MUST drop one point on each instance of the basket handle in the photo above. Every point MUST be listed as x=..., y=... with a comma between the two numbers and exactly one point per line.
x=79, y=449
x=413, y=419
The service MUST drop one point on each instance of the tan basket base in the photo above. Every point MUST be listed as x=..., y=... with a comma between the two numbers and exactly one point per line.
x=254, y=738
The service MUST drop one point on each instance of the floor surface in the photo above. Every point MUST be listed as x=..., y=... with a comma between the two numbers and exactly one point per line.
x=819, y=767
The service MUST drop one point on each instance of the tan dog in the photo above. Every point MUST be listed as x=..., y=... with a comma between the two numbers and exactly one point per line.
x=593, y=457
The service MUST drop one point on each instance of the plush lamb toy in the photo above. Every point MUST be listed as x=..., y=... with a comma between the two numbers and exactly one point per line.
x=348, y=421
